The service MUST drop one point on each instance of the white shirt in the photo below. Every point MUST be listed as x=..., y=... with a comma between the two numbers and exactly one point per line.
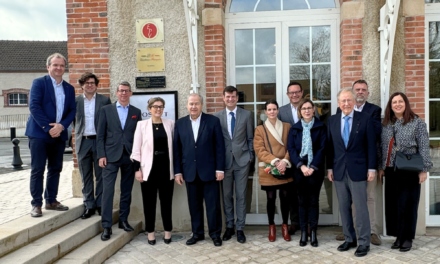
x=229, y=119
x=59, y=98
x=195, y=126
x=89, y=116
x=359, y=109
x=294, y=113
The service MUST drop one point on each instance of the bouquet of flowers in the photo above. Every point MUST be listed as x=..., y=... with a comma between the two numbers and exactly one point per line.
x=270, y=169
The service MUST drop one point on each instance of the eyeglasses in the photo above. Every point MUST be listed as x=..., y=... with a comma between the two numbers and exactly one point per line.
x=349, y=101
x=158, y=107
x=305, y=109
x=293, y=93
x=124, y=91
x=89, y=83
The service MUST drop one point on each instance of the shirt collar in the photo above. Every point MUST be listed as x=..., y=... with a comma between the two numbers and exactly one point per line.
x=293, y=107
x=234, y=111
x=93, y=97
x=350, y=115
x=360, y=107
x=119, y=105
x=197, y=120
x=55, y=82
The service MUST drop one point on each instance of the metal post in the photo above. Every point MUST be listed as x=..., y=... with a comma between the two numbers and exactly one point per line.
x=16, y=160
x=12, y=133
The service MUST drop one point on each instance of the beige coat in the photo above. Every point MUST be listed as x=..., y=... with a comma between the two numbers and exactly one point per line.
x=278, y=140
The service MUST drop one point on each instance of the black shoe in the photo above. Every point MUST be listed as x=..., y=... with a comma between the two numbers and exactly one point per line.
x=88, y=213
x=241, y=238
x=98, y=209
x=228, y=234
x=303, y=240
x=152, y=242
x=126, y=226
x=362, y=251
x=313, y=238
x=166, y=240
x=406, y=246
x=106, y=234
x=293, y=228
x=194, y=239
x=347, y=245
x=405, y=249
x=217, y=241
x=396, y=244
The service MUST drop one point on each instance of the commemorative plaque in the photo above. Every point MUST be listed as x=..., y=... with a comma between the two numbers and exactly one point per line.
x=149, y=30
x=150, y=82
x=150, y=60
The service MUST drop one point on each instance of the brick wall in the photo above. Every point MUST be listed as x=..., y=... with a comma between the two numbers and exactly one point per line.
x=415, y=63
x=351, y=51
x=215, y=61
x=87, y=44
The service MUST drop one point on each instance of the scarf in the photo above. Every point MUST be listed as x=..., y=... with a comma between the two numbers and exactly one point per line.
x=306, y=148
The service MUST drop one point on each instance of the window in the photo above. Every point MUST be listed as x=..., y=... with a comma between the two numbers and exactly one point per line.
x=15, y=97
x=238, y=6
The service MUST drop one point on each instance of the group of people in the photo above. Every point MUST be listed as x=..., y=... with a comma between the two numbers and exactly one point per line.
x=210, y=153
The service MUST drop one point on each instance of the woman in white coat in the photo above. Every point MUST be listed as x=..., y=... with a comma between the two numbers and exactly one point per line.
x=153, y=157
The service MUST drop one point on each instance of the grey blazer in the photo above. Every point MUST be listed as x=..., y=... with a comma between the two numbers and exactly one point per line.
x=79, y=121
x=285, y=114
x=241, y=146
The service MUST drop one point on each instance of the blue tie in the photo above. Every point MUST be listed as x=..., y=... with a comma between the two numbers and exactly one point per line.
x=232, y=123
x=346, y=134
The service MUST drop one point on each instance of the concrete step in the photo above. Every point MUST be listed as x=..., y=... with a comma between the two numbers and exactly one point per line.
x=97, y=251
x=22, y=231
x=58, y=243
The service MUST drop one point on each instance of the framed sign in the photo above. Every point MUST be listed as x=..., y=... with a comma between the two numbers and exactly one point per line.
x=150, y=60
x=149, y=30
x=141, y=99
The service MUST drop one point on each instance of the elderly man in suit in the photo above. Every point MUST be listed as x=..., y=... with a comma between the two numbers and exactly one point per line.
x=116, y=127
x=351, y=163
x=199, y=159
x=52, y=108
x=86, y=122
x=360, y=88
x=238, y=134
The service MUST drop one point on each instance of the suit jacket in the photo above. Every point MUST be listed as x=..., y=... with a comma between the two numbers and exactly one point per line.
x=241, y=146
x=111, y=138
x=143, y=145
x=80, y=118
x=206, y=156
x=43, y=108
x=360, y=154
x=285, y=114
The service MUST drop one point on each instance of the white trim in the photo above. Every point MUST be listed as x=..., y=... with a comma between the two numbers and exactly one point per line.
x=228, y=6
x=432, y=9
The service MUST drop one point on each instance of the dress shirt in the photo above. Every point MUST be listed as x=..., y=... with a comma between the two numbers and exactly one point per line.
x=89, y=116
x=295, y=113
x=122, y=113
x=229, y=118
x=359, y=109
x=59, y=98
x=195, y=126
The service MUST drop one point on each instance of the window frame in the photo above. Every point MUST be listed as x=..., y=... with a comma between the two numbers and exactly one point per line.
x=7, y=92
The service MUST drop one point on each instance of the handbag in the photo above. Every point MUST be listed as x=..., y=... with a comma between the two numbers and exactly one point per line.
x=272, y=170
x=407, y=162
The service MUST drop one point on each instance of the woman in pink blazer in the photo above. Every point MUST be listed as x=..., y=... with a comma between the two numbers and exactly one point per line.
x=153, y=157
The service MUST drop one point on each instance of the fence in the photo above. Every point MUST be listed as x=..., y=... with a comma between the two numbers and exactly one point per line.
x=17, y=121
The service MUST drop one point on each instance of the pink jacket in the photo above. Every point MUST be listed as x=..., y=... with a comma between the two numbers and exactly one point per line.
x=143, y=145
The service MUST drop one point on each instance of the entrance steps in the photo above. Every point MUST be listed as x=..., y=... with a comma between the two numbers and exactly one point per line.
x=61, y=236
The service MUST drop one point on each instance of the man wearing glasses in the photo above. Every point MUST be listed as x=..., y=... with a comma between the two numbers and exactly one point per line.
x=86, y=122
x=116, y=126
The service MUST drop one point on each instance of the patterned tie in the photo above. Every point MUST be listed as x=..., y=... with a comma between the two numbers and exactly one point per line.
x=346, y=133
x=232, y=123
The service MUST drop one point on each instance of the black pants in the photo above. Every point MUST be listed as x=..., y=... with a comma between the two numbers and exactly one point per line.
x=308, y=196
x=149, y=198
x=402, y=196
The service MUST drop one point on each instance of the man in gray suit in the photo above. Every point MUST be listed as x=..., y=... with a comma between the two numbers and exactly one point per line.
x=116, y=126
x=86, y=122
x=238, y=134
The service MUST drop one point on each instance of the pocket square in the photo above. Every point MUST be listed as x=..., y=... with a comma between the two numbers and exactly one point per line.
x=134, y=117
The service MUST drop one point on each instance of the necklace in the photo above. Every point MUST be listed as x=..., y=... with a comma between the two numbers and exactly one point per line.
x=157, y=125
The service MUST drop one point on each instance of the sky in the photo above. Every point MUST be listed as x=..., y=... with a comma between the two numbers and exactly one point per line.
x=33, y=20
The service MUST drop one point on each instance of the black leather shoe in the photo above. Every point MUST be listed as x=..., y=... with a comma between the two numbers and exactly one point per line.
x=167, y=240
x=194, y=239
x=88, y=213
x=241, y=238
x=126, y=226
x=362, y=251
x=396, y=244
x=228, y=234
x=303, y=240
x=98, y=209
x=217, y=241
x=405, y=249
x=152, y=242
x=347, y=245
x=313, y=238
x=406, y=246
x=106, y=234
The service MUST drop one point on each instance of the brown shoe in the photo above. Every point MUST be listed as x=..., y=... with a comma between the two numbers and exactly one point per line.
x=375, y=240
x=36, y=211
x=285, y=232
x=340, y=237
x=56, y=206
x=272, y=233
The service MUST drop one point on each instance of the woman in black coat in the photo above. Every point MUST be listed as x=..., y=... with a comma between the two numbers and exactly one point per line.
x=306, y=146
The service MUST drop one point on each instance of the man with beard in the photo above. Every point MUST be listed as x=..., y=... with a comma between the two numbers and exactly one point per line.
x=360, y=88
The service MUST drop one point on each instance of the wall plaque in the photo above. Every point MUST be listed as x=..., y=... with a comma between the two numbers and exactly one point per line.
x=149, y=30
x=150, y=60
x=150, y=82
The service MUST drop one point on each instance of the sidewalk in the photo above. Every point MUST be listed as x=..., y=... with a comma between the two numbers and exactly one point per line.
x=16, y=199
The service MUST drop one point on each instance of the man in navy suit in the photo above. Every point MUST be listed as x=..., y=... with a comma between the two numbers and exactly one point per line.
x=199, y=159
x=52, y=106
x=360, y=88
x=351, y=163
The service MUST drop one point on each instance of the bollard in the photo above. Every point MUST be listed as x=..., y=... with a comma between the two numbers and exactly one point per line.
x=16, y=160
x=12, y=133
